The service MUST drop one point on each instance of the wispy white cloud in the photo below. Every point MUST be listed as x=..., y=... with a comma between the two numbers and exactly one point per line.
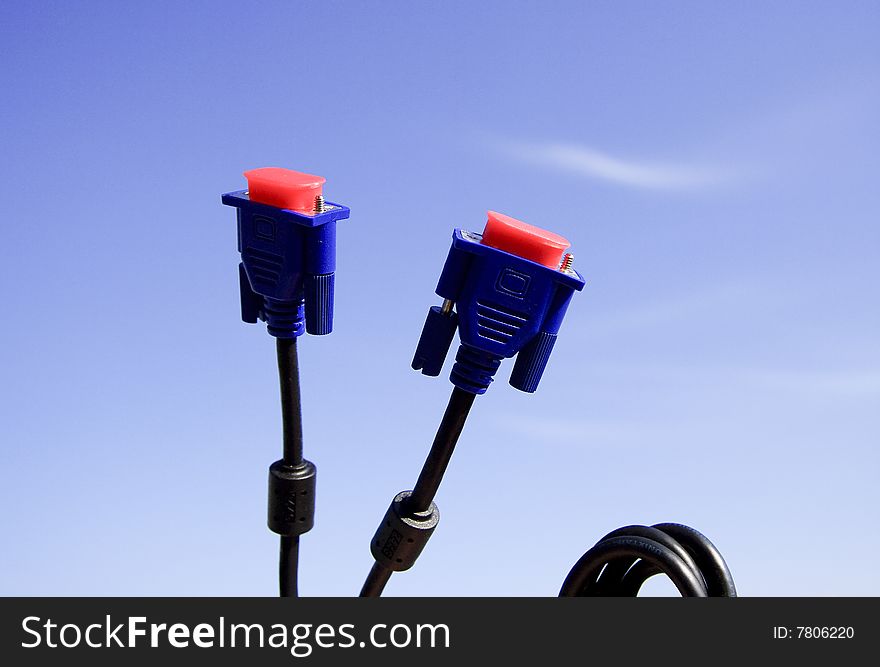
x=635, y=173
x=783, y=139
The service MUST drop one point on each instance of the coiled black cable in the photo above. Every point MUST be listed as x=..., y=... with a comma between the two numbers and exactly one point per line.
x=625, y=558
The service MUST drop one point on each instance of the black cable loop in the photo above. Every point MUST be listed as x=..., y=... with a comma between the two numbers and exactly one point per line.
x=625, y=558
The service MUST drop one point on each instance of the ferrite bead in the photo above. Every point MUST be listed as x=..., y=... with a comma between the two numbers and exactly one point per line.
x=403, y=534
x=291, y=498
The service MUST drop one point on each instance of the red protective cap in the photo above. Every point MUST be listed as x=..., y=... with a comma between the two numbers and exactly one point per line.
x=284, y=188
x=522, y=239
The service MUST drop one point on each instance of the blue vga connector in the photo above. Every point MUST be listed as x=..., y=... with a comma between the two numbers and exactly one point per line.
x=510, y=288
x=287, y=241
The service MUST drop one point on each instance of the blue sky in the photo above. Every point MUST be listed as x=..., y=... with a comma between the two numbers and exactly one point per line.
x=713, y=164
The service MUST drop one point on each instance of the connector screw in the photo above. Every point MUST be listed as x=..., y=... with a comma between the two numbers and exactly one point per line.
x=446, y=306
x=319, y=204
x=567, y=261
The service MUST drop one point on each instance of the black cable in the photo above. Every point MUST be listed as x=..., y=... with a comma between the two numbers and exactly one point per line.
x=448, y=432
x=413, y=516
x=618, y=565
x=291, y=411
x=625, y=558
x=375, y=581
x=292, y=479
x=288, y=564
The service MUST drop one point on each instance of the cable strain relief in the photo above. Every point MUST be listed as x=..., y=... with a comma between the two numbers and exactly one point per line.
x=474, y=369
x=284, y=319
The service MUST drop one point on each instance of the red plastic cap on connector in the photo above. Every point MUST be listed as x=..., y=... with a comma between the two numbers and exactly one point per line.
x=524, y=240
x=284, y=188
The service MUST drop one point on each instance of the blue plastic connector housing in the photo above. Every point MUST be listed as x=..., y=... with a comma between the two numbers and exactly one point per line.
x=505, y=306
x=288, y=264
